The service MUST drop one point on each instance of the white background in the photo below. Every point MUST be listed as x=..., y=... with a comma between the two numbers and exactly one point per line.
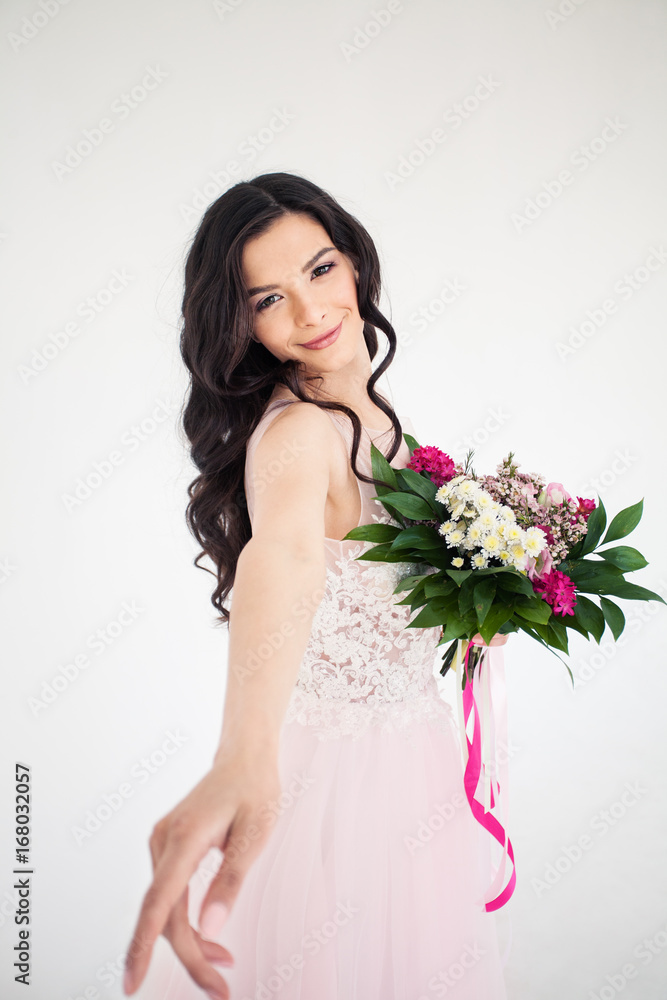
x=487, y=366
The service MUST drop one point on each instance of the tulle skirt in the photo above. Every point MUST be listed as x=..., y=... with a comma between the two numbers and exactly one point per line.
x=369, y=887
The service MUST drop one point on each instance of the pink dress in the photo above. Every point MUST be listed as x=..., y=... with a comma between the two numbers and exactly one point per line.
x=370, y=884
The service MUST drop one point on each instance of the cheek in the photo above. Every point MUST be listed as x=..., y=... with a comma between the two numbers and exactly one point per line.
x=346, y=290
x=272, y=336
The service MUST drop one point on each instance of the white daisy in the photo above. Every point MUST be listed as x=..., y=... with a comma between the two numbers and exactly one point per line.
x=446, y=526
x=480, y=561
x=457, y=562
x=483, y=500
x=487, y=520
x=513, y=533
x=468, y=489
x=535, y=540
x=519, y=557
x=455, y=537
x=475, y=532
x=492, y=544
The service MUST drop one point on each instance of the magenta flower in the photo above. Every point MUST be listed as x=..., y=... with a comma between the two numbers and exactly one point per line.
x=585, y=507
x=547, y=531
x=558, y=590
x=436, y=463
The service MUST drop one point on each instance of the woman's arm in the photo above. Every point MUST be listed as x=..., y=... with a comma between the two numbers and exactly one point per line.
x=279, y=583
x=276, y=593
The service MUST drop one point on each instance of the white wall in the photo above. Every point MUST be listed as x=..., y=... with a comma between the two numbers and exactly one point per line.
x=490, y=358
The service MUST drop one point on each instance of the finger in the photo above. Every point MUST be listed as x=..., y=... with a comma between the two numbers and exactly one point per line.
x=185, y=943
x=183, y=850
x=240, y=851
x=179, y=924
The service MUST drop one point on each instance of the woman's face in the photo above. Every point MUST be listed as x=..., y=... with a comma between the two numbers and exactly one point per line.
x=300, y=287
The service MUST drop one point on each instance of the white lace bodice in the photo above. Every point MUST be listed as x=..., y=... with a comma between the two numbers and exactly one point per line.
x=361, y=666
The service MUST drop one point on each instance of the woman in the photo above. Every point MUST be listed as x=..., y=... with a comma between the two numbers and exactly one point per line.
x=351, y=867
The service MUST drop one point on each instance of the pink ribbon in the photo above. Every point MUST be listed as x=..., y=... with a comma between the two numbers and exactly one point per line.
x=475, y=768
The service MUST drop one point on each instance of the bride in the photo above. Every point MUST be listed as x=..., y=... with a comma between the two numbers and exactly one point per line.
x=349, y=868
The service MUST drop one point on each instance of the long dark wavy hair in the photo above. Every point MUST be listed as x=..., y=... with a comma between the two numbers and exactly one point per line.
x=232, y=376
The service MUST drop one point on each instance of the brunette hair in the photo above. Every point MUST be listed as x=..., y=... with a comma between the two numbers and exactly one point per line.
x=232, y=375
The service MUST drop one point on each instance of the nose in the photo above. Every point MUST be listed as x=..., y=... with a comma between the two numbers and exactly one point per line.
x=308, y=309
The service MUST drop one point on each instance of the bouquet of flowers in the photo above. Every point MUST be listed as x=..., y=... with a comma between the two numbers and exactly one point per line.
x=501, y=554
x=510, y=552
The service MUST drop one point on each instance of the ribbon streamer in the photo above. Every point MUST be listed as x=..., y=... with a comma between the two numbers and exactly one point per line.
x=479, y=754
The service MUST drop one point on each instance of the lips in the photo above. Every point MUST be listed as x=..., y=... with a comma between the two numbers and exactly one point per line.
x=323, y=336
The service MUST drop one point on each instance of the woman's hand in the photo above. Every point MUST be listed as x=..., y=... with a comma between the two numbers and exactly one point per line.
x=227, y=809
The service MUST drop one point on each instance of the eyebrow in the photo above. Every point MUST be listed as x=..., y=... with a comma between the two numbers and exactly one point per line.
x=306, y=267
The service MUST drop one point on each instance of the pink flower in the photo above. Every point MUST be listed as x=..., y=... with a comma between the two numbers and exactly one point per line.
x=556, y=493
x=558, y=590
x=540, y=566
x=436, y=463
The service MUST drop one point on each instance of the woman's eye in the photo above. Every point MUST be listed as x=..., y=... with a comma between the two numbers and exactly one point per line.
x=263, y=303
x=322, y=266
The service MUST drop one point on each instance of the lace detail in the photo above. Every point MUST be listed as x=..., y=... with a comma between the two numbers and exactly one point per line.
x=362, y=667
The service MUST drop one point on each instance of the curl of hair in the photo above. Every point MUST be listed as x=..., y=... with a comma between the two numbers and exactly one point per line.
x=232, y=376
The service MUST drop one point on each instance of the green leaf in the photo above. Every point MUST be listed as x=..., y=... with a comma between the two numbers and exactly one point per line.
x=625, y=557
x=631, y=592
x=517, y=583
x=495, y=618
x=429, y=616
x=458, y=575
x=536, y=611
x=602, y=583
x=411, y=442
x=442, y=583
x=569, y=621
x=554, y=634
x=373, y=533
x=466, y=595
x=613, y=616
x=382, y=470
x=408, y=505
x=413, y=536
x=557, y=633
x=411, y=581
x=595, y=525
x=421, y=485
x=485, y=591
x=456, y=627
x=625, y=521
x=576, y=550
x=589, y=616
x=580, y=569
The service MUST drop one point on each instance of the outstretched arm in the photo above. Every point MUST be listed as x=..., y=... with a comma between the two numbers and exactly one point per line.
x=279, y=582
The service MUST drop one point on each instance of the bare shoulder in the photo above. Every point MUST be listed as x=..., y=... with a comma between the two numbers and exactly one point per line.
x=292, y=470
x=298, y=425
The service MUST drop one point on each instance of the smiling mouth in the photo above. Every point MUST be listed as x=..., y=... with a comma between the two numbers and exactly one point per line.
x=323, y=336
